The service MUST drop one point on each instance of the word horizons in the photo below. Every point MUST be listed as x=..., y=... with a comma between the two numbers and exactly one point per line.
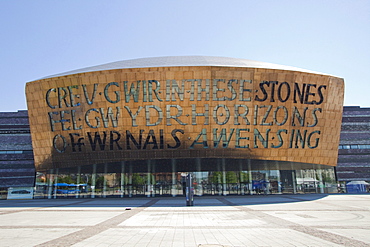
x=264, y=115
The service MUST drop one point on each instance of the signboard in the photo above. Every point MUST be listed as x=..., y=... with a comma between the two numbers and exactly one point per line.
x=20, y=193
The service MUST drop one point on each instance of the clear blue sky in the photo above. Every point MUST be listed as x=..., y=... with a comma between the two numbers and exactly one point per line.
x=41, y=38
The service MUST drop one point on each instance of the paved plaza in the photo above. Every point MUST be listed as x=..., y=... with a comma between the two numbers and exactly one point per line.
x=273, y=220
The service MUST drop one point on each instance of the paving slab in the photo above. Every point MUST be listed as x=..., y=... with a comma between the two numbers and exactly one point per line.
x=273, y=220
x=32, y=236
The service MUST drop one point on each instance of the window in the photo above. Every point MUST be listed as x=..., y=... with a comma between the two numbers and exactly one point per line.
x=15, y=151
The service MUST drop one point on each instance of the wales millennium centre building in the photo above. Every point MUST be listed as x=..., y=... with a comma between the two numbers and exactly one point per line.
x=139, y=127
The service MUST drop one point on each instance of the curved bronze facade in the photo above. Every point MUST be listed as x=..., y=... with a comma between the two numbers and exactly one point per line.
x=266, y=116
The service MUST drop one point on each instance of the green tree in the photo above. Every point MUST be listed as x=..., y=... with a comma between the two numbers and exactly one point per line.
x=99, y=182
x=231, y=177
x=216, y=177
x=66, y=179
x=137, y=179
x=244, y=177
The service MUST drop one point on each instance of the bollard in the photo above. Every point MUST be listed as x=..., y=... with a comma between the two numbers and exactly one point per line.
x=189, y=190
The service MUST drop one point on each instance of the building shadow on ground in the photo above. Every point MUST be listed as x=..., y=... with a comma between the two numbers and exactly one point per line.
x=178, y=201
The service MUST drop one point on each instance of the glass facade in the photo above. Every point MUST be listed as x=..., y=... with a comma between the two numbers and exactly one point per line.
x=167, y=178
x=17, y=168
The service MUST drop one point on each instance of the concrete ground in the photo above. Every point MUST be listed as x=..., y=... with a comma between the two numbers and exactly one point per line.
x=273, y=220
